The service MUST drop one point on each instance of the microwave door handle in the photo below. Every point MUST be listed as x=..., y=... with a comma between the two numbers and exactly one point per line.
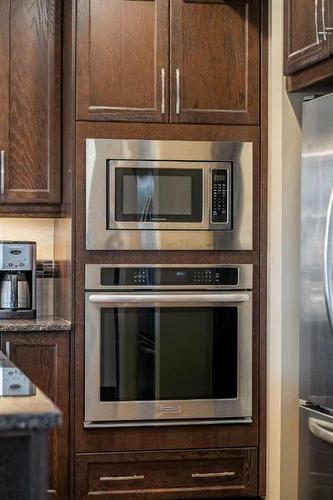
x=184, y=298
x=321, y=429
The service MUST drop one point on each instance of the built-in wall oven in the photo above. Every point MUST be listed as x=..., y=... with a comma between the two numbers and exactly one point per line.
x=168, y=195
x=168, y=344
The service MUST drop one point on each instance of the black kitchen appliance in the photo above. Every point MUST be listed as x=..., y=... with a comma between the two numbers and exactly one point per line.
x=17, y=279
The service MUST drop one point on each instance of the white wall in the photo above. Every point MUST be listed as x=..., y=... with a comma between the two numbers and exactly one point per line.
x=24, y=229
x=291, y=195
x=283, y=269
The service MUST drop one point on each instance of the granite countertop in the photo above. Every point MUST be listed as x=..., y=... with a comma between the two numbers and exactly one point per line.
x=40, y=324
x=22, y=404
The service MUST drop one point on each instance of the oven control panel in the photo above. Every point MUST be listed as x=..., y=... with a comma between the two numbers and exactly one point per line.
x=220, y=195
x=169, y=276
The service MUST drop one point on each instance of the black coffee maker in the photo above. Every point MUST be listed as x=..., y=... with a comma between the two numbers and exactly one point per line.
x=17, y=279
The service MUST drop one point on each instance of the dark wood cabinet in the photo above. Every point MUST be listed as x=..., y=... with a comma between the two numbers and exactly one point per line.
x=127, y=61
x=307, y=33
x=122, y=60
x=44, y=358
x=30, y=102
x=167, y=475
x=215, y=60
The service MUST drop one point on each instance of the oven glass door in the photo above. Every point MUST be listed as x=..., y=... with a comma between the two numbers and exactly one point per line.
x=173, y=353
x=175, y=361
x=150, y=194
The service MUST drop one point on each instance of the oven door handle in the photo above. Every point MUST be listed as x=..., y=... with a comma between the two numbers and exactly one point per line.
x=184, y=298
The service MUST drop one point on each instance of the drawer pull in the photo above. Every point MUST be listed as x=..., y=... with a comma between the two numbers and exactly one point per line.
x=212, y=474
x=122, y=478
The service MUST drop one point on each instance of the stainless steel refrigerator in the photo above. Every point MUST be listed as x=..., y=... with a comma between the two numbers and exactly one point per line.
x=316, y=325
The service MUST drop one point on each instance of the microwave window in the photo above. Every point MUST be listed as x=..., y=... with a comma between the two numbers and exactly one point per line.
x=159, y=199
x=158, y=195
x=169, y=353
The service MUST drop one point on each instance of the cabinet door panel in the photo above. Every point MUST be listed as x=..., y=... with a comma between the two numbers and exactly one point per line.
x=216, y=48
x=177, y=474
x=121, y=51
x=4, y=77
x=304, y=45
x=32, y=155
x=45, y=360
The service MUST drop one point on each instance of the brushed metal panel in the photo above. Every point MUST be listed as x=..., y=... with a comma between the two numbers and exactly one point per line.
x=98, y=237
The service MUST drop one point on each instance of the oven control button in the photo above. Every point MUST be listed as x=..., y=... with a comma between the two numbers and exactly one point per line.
x=203, y=277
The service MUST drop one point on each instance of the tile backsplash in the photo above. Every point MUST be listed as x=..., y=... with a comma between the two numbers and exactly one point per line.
x=39, y=230
x=47, y=270
x=44, y=296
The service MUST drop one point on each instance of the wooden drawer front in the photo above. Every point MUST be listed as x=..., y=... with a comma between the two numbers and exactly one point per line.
x=167, y=475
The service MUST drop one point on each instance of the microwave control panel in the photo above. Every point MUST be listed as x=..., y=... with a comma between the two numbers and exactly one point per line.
x=220, y=195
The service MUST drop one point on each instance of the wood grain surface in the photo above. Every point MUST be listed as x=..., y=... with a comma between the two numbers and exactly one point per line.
x=216, y=47
x=168, y=475
x=44, y=358
x=4, y=77
x=122, y=47
x=33, y=94
x=302, y=44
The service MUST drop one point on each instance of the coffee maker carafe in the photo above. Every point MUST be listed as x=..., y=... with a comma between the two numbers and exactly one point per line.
x=17, y=279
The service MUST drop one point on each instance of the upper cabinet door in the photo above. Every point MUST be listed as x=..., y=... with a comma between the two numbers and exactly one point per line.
x=4, y=89
x=304, y=40
x=30, y=99
x=215, y=61
x=122, y=60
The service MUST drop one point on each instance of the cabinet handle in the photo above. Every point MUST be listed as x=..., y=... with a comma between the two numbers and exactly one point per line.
x=122, y=478
x=212, y=474
x=2, y=172
x=323, y=19
x=177, y=91
x=163, y=91
x=7, y=349
x=326, y=31
x=316, y=21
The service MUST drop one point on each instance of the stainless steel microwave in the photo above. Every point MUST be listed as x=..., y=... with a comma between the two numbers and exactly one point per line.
x=168, y=195
x=168, y=344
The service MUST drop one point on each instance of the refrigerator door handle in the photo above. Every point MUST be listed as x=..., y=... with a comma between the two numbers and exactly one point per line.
x=328, y=260
x=321, y=429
